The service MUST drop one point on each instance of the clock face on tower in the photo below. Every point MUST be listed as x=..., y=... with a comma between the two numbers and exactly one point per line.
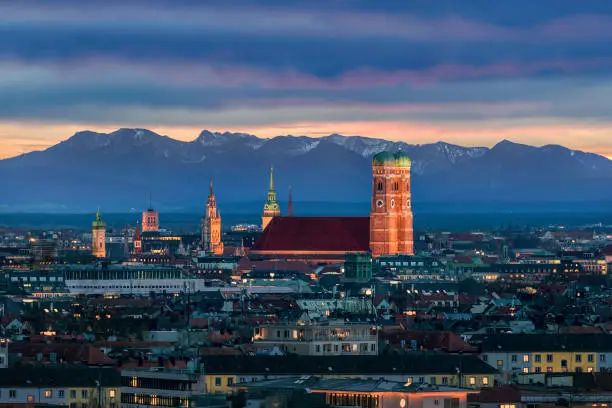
x=379, y=203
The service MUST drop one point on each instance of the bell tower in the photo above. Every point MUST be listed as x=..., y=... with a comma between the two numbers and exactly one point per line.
x=98, y=237
x=391, y=230
x=271, y=207
x=211, y=226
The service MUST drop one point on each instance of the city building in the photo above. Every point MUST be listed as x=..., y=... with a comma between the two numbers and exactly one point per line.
x=160, y=387
x=271, y=207
x=434, y=369
x=98, y=237
x=329, y=338
x=391, y=230
x=70, y=386
x=342, y=392
x=514, y=354
x=211, y=226
x=358, y=266
x=150, y=221
x=137, y=241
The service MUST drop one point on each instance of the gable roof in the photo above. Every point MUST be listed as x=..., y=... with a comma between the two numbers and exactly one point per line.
x=547, y=342
x=315, y=234
x=59, y=376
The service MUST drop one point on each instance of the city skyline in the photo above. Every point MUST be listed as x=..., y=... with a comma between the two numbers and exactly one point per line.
x=462, y=73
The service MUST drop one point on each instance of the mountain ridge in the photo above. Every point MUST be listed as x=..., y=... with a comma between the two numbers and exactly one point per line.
x=116, y=169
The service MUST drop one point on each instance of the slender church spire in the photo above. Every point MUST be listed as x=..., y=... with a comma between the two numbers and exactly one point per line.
x=271, y=178
x=290, y=204
x=271, y=207
x=210, y=189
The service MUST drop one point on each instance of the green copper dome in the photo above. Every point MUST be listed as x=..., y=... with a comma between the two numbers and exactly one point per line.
x=98, y=222
x=399, y=159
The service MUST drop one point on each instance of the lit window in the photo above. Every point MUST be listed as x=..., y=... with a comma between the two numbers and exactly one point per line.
x=472, y=380
x=48, y=393
x=30, y=398
x=111, y=393
x=485, y=380
x=526, y=370
x=525, y=358
x=590, y=369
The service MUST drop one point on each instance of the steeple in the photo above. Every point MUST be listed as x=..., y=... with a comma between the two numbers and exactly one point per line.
x=290, y=204
x=271, y=207
x=210, y=189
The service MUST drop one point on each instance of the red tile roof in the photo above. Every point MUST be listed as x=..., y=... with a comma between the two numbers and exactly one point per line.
x=71, y=353
x=315, y=234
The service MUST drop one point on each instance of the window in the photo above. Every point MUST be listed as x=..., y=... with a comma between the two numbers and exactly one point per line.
x=549, y=369
x=507, y=406
x=525, y=358
x=538, y=369
x=578, y=369
x=421, y=380
x=485, y=380
x=579, y=358
x=514, y=358
x=590, y=369
x=538, y=358
x=372, y=347
x=48, y=393
x=526, y=370
x=111, y=393
x=72, y=394
x=549, y=358
x=602, y=357
x=230, y=381
x=336, y=348
x=409, y=381
x=436, y=402
x=445, y=380
x=380, y=186
x=472, y=380
x=218, y=381
x=60, y=393
x=318, y=348
x=590, y=358
x=13, y=394
x=500, y=363
x=84, y=394
x=485, y=358
x=564, y=363
x=432, y=380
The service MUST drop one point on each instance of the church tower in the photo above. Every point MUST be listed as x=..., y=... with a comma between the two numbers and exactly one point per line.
x=391, y=230
x=271, y=207
x=211, y=226
x=290, y=204
x=98, y=237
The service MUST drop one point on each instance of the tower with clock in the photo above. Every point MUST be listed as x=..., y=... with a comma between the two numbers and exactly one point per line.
x=391, y=223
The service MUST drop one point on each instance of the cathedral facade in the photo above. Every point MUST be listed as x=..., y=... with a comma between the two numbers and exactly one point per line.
x=211, y=226
x=387, y=231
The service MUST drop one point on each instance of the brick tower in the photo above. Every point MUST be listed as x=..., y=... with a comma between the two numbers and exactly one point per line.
x=211, y=226
x=391, y=214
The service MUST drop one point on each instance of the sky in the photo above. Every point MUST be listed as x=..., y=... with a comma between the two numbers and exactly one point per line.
x=470, y=72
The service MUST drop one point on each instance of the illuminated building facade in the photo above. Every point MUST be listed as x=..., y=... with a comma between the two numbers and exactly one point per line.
x=211, y=226
x=271, y=207
x=98, y=237
x=150, y=221
x=391, y=230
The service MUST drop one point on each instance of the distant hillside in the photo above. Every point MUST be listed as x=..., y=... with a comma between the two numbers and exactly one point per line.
x=117, y=171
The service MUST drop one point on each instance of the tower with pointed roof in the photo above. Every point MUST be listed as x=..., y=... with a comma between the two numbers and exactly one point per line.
x=98, y=237
x=271, y=207
x=211, y=226
x=290, y=204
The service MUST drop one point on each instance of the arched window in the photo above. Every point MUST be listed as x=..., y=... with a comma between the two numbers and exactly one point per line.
x=380, y=186
x=395, y=186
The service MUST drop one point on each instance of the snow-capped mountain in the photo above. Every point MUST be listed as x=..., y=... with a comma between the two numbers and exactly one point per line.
x=116, y=170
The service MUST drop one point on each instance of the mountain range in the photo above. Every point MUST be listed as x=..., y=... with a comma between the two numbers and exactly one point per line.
x=130, y=168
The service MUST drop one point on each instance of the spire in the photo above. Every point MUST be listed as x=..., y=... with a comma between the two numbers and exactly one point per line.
x=98, y=215
x=210, y=189
x=271, y=178
x=290, y=204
